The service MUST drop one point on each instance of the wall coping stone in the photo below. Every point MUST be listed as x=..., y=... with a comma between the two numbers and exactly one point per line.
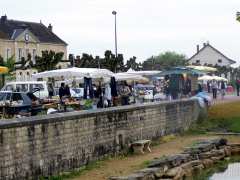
x=58, y=117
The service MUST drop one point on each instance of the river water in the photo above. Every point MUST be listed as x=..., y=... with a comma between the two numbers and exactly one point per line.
x=231, y=173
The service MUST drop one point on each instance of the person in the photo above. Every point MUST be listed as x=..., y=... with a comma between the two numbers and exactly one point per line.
x=67, y=91
x=61, y=91
x=208, y=86
x=107, y=95
x=50, y=90
x=166, y=88
x=222, y=88
x=214, y=89
x=125, y=92
x=237, y=86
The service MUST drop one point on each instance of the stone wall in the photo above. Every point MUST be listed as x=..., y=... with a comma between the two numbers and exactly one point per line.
x=46, y=145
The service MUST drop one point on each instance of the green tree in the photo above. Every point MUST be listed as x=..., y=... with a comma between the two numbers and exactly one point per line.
x=48, y=60
x=10, y=64
x=1, y=61
x=165, y=61
x=132, y=63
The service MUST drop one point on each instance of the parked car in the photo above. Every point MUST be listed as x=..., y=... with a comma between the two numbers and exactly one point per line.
x=28, y=86
x=16, y=102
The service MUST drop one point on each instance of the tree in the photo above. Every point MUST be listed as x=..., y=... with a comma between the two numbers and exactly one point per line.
x=1, y=61
x=131, y=63
x=165, y=61
x=10, y=64
x=48, y=60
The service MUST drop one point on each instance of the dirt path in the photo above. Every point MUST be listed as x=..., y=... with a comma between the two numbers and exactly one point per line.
x=119, y=167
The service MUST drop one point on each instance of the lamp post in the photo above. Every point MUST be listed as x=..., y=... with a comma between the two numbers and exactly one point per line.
x=115, y=25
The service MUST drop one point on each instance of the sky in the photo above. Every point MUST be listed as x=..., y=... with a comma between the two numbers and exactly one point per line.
x=144, y=27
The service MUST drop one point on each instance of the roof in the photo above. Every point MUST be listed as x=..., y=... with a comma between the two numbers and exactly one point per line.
x=11, y=28
x=217, y=51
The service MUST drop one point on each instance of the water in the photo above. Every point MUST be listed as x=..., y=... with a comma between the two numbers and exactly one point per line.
x=231, y=173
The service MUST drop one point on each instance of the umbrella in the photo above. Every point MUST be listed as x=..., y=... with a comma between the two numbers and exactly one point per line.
x=3, y=70
x=181, y=70
x=203, y=68
x=209, y=78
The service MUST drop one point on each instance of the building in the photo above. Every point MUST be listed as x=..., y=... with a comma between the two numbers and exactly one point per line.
x=20, y=38
x=210, y=56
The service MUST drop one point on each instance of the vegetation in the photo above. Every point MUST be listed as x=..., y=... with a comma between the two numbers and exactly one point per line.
x=48, y=60
x=221, y=118
x=165, y=61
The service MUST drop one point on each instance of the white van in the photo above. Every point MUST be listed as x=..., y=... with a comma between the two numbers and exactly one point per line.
x=28, y=86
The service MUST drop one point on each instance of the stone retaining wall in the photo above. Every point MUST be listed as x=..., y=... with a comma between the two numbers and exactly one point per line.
x=47, y=145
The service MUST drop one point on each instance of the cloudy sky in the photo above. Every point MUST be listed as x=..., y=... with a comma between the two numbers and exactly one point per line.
x=145, y=27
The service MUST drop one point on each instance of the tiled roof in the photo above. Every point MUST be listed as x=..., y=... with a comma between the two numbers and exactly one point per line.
x=217, y=51
x=44, y=35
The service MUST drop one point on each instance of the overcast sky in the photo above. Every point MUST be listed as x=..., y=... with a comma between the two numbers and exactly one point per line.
x=145, y=27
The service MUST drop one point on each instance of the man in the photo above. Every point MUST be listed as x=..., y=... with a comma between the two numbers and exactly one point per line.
x=61, y=91
x=237, y=86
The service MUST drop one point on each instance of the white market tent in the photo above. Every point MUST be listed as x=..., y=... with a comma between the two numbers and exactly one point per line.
x=75, y=72
x=129, y=77
x=142, y=73
x=203, y=68
x=210, y=78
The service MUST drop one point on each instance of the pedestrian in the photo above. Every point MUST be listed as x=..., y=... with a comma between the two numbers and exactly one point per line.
x=223, y=89
x=214, y=89
x=61, y=91
x=50, y=90
x=67, y=92
x=208, y=86
x=237, y=86
x=125, y=92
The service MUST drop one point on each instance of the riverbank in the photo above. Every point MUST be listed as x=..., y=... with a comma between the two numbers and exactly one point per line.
x=121, y=166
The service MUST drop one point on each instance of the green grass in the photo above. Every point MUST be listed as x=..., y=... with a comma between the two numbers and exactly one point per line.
x=221, y=118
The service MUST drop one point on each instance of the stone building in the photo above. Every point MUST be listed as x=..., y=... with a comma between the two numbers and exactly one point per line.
x=208, y=55
x=20, y=38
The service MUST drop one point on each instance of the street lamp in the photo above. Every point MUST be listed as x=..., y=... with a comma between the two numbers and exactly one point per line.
x=115, y=15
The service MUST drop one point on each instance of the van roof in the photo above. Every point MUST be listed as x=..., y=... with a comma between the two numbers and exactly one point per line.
x=26, y=82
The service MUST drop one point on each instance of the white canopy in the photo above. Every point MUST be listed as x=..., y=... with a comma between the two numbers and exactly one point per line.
x=209, y=78
x=203, y=68
x=75, y=72
x=126, y=77
x=143, y=73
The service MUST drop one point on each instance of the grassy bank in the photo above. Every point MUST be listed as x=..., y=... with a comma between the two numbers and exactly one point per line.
x=221, y=118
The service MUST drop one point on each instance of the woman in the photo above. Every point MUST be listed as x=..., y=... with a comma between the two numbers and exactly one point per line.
x=214, y=89
x=125, y=92
x=50, y=90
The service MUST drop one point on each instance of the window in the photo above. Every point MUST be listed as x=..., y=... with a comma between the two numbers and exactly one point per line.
x=8, y=53
x=33, y=87
x=17, y=97
x=197, y=61
x=219, y=61
x=27, y=52
x=34, y=56
x=9, y=88
x=22, y=87
x=20, y=54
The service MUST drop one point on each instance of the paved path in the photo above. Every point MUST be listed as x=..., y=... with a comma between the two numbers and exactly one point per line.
x=227, y=98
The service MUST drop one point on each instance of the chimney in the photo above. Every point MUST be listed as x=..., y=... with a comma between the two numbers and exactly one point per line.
x=50, y=27
x=197, y=48
x=204, y=44
x=3, y=19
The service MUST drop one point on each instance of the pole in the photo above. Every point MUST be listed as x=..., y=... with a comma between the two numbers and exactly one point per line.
x=115, y=26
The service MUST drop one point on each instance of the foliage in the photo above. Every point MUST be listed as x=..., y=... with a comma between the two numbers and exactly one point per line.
x=132, y=63
x=10, y=63
x=221, y=118
x=1, y=61
x=48, y=60
x=165, y=61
